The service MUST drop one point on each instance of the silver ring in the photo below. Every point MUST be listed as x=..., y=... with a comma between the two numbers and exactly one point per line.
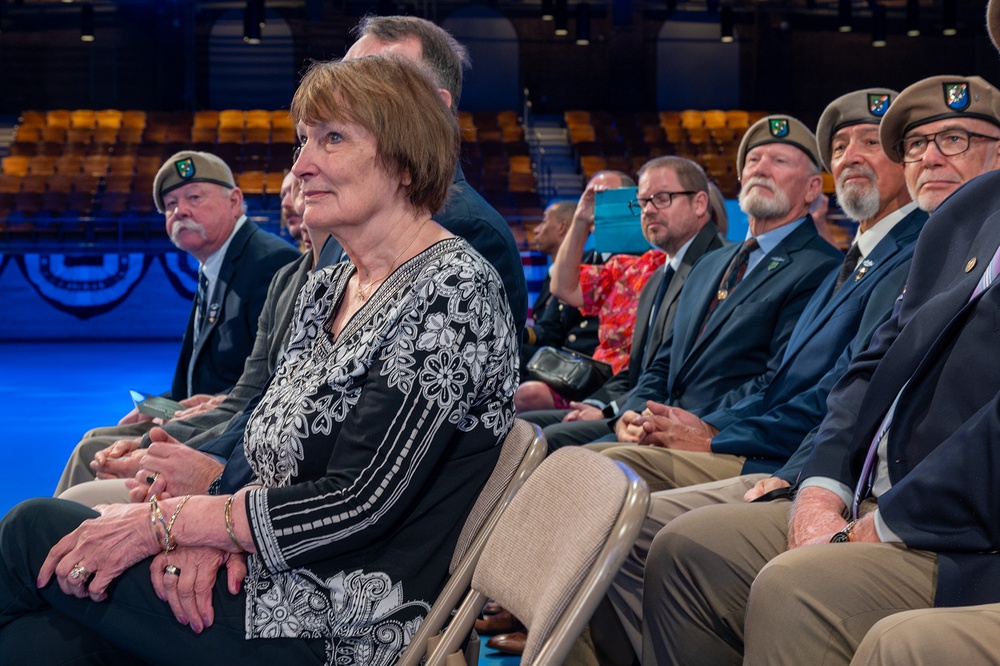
x=172, y=570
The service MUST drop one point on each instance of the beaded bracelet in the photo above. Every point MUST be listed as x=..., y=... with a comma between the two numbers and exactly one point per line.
x=228, y=515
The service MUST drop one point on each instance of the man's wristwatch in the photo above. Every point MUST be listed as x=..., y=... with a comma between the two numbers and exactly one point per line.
x=844, y=535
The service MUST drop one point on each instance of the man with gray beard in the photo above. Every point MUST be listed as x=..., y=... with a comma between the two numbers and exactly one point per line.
x=204, y=213
x=839, y=321
x=740, y=305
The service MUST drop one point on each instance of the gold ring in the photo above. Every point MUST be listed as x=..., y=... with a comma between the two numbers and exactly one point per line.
x=79, y=571
x=150, y=478
x=172, y=570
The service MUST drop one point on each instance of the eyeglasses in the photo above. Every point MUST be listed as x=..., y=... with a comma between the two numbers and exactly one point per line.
x=660, y=200
x=296, y=151
x=949, y=142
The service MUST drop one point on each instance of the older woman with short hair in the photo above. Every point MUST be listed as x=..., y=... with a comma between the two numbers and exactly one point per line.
x=380, y=425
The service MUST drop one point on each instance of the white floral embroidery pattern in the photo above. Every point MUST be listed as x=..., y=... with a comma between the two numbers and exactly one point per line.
x=440, y=335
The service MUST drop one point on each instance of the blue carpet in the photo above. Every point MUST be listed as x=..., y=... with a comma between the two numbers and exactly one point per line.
x=53, y=392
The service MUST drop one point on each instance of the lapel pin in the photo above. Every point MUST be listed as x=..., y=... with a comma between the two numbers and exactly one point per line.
x=213, y=312
x=865, y=265
x=775, y=262
x=969, y=266
x=722, y=294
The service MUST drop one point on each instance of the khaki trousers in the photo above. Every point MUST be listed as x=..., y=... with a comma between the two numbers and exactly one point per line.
x=92, y=493
x=77, y=468
x=933, y=636
x=722, y=588
x=625, y=593
x=666, y=469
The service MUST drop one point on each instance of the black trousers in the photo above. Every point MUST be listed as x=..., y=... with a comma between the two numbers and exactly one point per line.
x=44, y=627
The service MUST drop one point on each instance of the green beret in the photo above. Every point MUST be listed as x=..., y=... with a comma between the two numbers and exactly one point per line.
x=855, y=108
x=190, y=166
x=937, y=98
x=777, y=129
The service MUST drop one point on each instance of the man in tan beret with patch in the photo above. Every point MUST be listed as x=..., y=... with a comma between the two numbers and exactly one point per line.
x=737, y=311
x=945, y=130
x=898, y=499
x=205, y=217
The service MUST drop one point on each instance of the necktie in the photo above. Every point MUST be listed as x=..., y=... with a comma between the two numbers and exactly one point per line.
x=661, y=291
x=847, y=268
x=200, y=305
x=867, y=471
x=990, y=274
x=732, y=277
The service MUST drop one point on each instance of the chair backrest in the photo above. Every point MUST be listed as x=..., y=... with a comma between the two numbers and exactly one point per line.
x=555, y=551
x=522, y=451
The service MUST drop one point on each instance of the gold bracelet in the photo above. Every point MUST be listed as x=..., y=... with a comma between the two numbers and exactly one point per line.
x=228, y=515
x=169, y=541
x=156, y=517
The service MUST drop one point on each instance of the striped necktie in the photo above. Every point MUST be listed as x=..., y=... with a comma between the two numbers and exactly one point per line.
x=848, y=267
x=200, y=305
x=731, y=278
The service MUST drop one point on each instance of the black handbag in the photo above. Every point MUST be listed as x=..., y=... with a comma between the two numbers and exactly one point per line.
x=571, y=375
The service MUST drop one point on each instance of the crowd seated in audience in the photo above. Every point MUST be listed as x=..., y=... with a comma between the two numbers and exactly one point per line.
x=774, y=393
x=681, y=226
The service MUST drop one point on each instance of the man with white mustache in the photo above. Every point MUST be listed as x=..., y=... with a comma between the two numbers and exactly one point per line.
x=204, y=215
x=839, y=320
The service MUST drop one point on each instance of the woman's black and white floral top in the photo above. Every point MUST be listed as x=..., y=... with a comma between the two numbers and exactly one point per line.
x=372, y=449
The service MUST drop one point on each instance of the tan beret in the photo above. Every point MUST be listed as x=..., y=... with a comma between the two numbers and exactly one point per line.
x=937, y=98
x=190, y=166
x=777, y=129
x=993, y=21
x=855, y=108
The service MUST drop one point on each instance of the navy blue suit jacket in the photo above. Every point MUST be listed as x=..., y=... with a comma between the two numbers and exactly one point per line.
x=943, y=452
x=768, y=426
x=744, y=341
x=252, y=259
x=706, y=240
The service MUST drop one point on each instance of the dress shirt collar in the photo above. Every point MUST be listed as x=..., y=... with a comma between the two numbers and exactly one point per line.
x=769, y=240
x=675, y=261
x=868, y=240
x=213, y=265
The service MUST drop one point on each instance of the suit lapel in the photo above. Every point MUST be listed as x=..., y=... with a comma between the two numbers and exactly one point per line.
x=642, y=312
x=913, y=349
x=701, y=293
x=772, y=264
x=870, y=269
